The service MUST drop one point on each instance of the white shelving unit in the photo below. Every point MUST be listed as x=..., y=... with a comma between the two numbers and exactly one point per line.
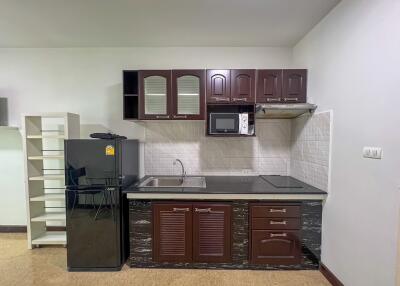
x=44, y=136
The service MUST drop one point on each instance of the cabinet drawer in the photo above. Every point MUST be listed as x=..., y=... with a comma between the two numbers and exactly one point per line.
x=275, y=247
x=275, y=223
x=275, y=211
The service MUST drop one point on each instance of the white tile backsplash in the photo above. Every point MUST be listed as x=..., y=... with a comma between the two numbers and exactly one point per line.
x=310, y=139
x=267, y=153
x=299, y=147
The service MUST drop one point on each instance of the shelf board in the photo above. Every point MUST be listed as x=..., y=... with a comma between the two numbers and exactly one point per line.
x=50, y=216
x=51, y=237
x=48, y=197
x=8, y=128
x=47, y=177
x=45, y=157
x=54, y=136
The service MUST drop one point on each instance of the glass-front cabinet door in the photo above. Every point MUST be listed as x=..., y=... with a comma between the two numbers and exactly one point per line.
x=155, y=86
x=188, y=94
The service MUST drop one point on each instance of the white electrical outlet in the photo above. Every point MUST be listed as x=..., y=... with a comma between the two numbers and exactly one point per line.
x=372, y=152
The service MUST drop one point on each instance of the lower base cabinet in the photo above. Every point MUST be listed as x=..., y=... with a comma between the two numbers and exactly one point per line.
x=275, y=247
x=275, y=234
x=184, y=232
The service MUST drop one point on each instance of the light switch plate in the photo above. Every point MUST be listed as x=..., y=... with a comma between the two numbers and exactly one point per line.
x=372, y=152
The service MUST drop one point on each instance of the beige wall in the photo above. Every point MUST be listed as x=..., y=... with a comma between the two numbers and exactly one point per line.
x=352, y=57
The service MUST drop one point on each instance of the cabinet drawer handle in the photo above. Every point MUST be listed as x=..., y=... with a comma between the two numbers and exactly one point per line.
x=291, y=99
x=275, y=240
x=284, y=222
x=180, y=116
x=180, y=209
x=207, y=210
x=277, y=210
x=162, y=116
x=239, y=99
x=283, y=234
x=273, y=99
x=220, y=99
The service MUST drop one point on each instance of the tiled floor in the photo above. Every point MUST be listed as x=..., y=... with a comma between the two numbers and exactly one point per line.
x=47, y=266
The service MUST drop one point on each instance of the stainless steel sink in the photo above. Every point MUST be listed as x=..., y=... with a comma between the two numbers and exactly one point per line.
x=173, y=182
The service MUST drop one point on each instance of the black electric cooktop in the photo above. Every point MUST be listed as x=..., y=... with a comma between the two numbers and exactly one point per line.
x=282, y=181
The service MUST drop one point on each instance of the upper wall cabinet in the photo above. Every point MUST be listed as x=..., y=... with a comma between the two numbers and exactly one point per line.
x=218, y=86
x=188, y=96
x=269, y=86
x=282, y=86
x=294, y=85
x=243, y=86
x=155, y=92
x=176, y=94
x=231, y=86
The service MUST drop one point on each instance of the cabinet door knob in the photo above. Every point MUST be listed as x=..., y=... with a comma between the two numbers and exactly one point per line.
x=277, y=210
x=291, y=99
x=180, y=209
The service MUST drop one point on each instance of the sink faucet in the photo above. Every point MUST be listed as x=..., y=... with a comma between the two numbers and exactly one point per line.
x=183, y=169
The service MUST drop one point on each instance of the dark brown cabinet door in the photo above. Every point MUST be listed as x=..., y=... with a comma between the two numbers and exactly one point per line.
x=212, y=232
x=294, y=86
x=269, y=86
x=155, y=94
x=243, y=86
x=172, y=241
x=188, y=94
x=218, y=86
x=275, y=247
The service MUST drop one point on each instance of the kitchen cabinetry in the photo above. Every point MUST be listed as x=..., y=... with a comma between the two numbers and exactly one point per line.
x=155, y=94
x=176, y=94
x=218, y=86
x=282, y=86
x=212, y=232
x=243, y=86
x=188, y=94
x=294, y=85
x=231, y=86
x=172, y=232
x=130, y=95
x=269, y=86
x=275, y=234
x=192, y=232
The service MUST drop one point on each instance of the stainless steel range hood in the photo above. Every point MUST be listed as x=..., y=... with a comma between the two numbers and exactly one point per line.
x=283, y=110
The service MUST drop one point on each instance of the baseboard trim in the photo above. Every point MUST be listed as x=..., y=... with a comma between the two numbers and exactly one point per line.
x=329, y=275
x=12, y=228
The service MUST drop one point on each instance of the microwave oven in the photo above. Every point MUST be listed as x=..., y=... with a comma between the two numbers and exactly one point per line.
x=228, y=123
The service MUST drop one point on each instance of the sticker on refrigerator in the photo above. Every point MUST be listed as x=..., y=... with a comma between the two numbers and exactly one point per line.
x=110, y=150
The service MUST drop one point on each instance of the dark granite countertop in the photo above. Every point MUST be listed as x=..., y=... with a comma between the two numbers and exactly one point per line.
x=235, y=185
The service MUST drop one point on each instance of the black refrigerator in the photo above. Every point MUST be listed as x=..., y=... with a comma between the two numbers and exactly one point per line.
x=96, y=173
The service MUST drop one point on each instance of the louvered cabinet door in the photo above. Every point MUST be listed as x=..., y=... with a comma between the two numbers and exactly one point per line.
x=212, y=233
x=172, y=240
